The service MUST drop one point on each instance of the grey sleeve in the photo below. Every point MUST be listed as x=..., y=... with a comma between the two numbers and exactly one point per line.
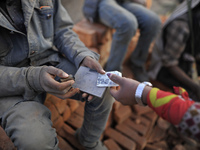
x=66, y=40
x=20, y=81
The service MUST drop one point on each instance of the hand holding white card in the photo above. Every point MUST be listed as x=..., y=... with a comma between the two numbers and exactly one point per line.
x=104, y=81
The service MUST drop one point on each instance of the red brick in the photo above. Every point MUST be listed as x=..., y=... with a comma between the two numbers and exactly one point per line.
x=148, y=3
x=122, y=113
x=152, y=116
x=100, y=29
x=107, y=36
x=141, y=109
x=163, y=124
x=162, y=144
x=111, y=145
x=116, y=105
x=61, y=107
x=152, y=147
x=67, y=113
x=48, y=96
x=59, y=103
x=54, y=112
x=75, y=120
x=63, y=145
x=5, y=142
x=122, y=140
x=53, y=99
x=57, y=124
x=140, y=128
x=92, y=34
x=140, y=119
x=141, y=141
x=73, y=104
x=82, y=103
x=68, y=134
x=86, y=35
x=80, y=110
x=157, y=135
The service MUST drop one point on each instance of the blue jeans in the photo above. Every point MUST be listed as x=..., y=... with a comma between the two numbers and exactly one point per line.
x=29, y=126
x=126, y=18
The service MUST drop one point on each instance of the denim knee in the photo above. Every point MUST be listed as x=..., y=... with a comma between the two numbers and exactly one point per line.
x=96, y=115
x=151, y=26
x=127, y=28
x=29, y=126
x=36, y=139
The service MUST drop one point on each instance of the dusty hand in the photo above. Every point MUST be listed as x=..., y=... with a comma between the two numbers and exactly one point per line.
x=125, y=92
x=62, y=90
x=92, y=64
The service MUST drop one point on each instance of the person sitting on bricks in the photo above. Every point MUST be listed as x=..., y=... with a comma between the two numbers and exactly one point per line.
x=37, y=49
x=126, y=16
x=175, y=56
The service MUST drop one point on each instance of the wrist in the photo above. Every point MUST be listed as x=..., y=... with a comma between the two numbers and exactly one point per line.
x=146, y=91
x=141, y=93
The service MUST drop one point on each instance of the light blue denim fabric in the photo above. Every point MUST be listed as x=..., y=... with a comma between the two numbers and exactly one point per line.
x=126, y=18
x=29, y=126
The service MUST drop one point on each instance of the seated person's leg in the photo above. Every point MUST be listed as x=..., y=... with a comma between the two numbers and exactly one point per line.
x=96, y=113
x=149, y=25
x=29, y=126
x=114, y=16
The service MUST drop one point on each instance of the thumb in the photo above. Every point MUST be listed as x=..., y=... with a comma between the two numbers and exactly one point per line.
x=57, y=72
x=115, y=78
x=113, y=92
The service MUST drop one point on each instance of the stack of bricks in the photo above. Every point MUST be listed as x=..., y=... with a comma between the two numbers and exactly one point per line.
x=97, y=37
x=128, y=127
x=67, y=116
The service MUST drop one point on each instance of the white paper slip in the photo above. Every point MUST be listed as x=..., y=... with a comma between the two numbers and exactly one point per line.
x=104, y=81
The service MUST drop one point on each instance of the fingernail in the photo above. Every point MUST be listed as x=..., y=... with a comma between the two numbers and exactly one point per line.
x=103, y=71
x=65, y=75
x=109, y=75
